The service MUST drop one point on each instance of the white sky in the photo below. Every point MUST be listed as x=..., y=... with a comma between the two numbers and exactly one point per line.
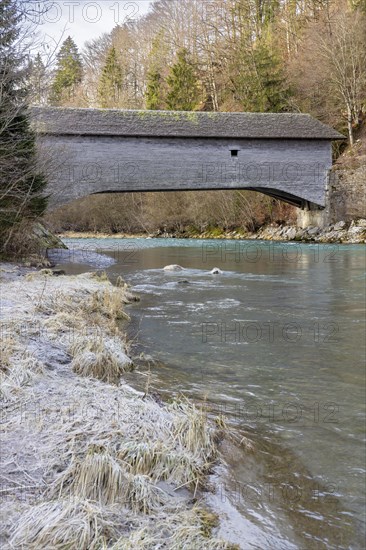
x=83, y=19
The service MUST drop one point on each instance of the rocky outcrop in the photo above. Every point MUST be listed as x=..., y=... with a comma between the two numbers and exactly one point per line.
x=340, y=232
x=46, y=239
x=346, y=194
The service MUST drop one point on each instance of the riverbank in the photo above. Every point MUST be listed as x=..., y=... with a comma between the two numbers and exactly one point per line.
x=88, y=462
x=353, y=233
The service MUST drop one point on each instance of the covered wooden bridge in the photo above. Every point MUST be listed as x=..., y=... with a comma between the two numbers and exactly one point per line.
x=286, y=156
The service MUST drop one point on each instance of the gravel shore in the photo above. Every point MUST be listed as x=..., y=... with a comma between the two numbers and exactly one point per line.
x=353, y=233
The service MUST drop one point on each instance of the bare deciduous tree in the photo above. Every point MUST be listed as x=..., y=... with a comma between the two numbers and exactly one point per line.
x=329, y=71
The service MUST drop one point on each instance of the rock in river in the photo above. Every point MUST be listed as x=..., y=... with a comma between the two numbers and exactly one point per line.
x=173, y=267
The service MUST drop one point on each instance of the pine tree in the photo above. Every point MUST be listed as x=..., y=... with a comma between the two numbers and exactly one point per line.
x=21, y=186
x=111, y=81
x=153, y=96
x=68, y=74
x=259, y=84
x=38, y=81
x=156, y=74
x=183, y=94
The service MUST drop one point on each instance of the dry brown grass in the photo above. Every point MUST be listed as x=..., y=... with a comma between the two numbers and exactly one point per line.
x=6, y=350
x=64, y=524
x=183, y=530
x=144, y=496
x=81, y=321
x=41, y=274
x=109, y=302
x=141, y=539
x=105, y=474
x=99, y=476
x=102, y=477
x=18, y=368
x=162, y=462
x=100, y=358
x=192, y=429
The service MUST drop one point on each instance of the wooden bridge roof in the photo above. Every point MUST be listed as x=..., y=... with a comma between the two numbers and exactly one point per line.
x=114, y=122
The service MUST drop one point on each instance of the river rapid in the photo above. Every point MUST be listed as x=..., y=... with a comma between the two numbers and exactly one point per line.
x=276, y=345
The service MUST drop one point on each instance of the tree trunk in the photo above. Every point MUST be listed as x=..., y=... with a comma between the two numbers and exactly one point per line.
x=350, y=128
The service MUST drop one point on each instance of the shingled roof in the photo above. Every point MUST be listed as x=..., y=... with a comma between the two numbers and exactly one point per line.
x=113, y=122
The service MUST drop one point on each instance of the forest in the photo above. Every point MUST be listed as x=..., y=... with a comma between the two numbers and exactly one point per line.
x=218, y=55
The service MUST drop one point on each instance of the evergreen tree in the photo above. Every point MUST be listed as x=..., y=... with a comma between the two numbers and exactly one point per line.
x=156, y=84
x=260, y=85
x=183, y=94
x=111, y=81
x=21, y=186
x=38, y=81
x=68, y=74
x=153, y=96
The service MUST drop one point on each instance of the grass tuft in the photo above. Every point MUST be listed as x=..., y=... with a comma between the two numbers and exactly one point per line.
x=140, y=539
x=100, y=276
x=98, y=365
x=99, y=477
x=64, y=524
x=108, y=302
x=6, y=351
x=193, y=430
x=95, y=357
x=162, y=463
x=19, y=372
x=183, y=530
x=143, y=496
x=39, y=274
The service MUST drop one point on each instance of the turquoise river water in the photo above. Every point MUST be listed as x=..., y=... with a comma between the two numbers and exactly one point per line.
x=276, y=344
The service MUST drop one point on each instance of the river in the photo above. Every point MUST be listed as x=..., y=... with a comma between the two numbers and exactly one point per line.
x=276, y=344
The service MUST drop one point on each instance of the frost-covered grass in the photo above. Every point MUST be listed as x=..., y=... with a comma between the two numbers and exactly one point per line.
x=61, y=524
x=97, y=476
x=18, y=367
x=189, y=529
x=98, y=464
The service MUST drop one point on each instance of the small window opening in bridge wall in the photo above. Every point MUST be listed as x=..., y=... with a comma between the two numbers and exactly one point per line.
x=234, y=152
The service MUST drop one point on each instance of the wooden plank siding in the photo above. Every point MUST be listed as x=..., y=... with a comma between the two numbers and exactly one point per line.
x=99, y=151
